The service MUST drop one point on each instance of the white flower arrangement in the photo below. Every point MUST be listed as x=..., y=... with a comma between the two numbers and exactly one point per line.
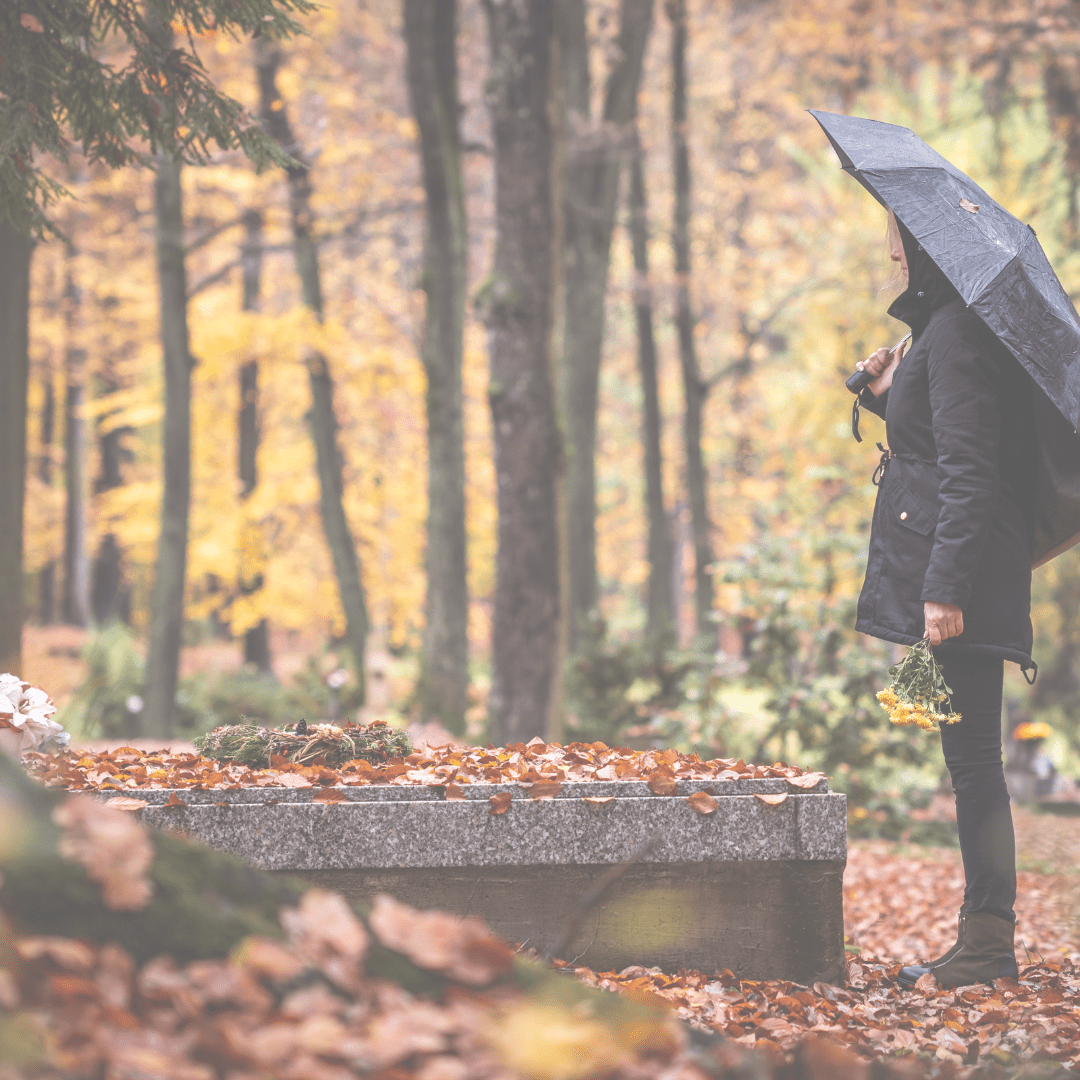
x=24, y=718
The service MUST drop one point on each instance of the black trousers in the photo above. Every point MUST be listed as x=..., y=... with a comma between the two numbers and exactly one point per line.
x=973, y=754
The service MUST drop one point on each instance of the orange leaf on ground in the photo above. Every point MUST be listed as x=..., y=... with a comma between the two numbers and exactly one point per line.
x=545, y=789
x=454, y=793
x=174, y=801
x=31, y=23
x=659, y=784
x=702, y=803
x=771, y=800
x=330, y=795
x=598, y=800
x=806, y=782
x=122, y=802
x=499, y=802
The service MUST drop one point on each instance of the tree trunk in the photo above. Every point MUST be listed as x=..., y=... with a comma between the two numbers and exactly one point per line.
x=323, y=421
x=76, y=561
x=15, y=249
x=517, y=306
x=109, y=598
x=257, y=637
x=694, y=386
x=167, y=600
x=660, y=626
x=430, y=38
x=47, y=575
x=592, y=185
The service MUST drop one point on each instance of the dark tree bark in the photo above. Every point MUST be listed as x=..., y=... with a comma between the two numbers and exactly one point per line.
x=110, y=598
x=594, y=160
x=76, y=560
x=47, y=574
x=256, y=638
x=323, y=421
x=517, y=307
x=167, y=600
x=695, y=387
x=430, y=38
x=15, y=249
x=660, y=626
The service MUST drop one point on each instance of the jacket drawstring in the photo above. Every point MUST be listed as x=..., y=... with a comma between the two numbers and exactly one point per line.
x=855, y=418
x=883, y=464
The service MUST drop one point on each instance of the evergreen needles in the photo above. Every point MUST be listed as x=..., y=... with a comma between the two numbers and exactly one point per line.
x=305, y=745
x=917, y=688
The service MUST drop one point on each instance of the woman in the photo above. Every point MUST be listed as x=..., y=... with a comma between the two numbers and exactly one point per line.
x=950, y=559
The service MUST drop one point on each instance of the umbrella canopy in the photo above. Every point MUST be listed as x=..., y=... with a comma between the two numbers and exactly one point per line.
x=993, y=259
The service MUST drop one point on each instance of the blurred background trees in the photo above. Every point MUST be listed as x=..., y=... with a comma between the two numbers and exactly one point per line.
x=534, y=343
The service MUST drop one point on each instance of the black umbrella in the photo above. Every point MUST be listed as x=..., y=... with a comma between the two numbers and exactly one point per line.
x=994, y=260
x=999, y=268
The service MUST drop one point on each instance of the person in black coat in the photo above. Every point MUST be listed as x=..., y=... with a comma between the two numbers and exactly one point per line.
x=950, y=559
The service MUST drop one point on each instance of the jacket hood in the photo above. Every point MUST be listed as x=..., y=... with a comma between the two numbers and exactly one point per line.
x=928, y=288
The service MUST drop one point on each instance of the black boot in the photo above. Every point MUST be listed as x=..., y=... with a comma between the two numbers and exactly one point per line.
x=984, y=951
x=955, y=947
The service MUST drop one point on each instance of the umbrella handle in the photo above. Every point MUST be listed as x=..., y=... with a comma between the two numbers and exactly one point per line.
x=862, y=379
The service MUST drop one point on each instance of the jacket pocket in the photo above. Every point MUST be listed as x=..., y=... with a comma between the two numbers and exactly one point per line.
x=907, y=511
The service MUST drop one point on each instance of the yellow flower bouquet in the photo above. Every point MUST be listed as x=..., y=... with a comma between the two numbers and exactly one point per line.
x=916, y=690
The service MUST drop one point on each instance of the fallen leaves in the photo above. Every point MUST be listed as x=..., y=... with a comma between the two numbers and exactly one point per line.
x=969, y=206
x=663, y=784
x=499, y=802
x=461, y=949
x=771, y=800
x=598, y=800
x=540, y=767
x=702, y=803
x=544, y=789
x=112, y=847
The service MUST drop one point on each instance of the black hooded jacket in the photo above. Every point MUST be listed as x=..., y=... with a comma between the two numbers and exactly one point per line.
x=953, y=521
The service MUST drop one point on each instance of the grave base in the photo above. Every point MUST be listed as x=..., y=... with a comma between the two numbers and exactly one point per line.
x=778, y=919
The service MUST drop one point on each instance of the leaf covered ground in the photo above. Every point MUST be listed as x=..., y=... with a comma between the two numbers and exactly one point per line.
x=308, y=1007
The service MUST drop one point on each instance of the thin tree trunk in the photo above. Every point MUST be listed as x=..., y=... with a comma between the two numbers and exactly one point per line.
x=517, y=305
x=47, y=574
x=660, y=611
x=592, y=186
x=76, y=561
x=323, y=421
x=15, y=249
x=257, y=637
x=167, y=601
x=109, y=599
x=695, y=388
x=430, y=38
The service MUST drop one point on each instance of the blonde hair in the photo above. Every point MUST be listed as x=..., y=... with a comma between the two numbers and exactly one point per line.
x=895, y=281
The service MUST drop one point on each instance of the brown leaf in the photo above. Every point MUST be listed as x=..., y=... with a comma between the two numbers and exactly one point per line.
x=545, y=789
x=969, y=206
x=174, y=800
x=31, y=23
x=323, y=923
x=330, y=795
x=499, y=803
x=268, y=958
x=702, y=803
x=111, y=846
x=122, y=802
x=771, y=800
x=926, y=984
x=454, y=793
x=659, y=784
x=462, y=949
x=806, y=781
x=598, y=800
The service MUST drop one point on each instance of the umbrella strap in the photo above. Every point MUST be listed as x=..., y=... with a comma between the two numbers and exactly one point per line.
x=855, y=418
x=883, y=464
